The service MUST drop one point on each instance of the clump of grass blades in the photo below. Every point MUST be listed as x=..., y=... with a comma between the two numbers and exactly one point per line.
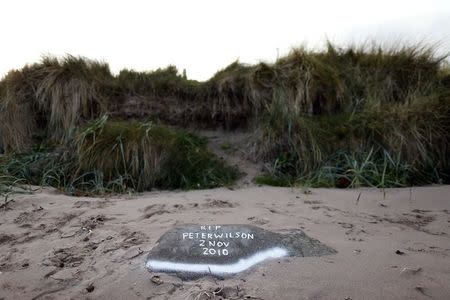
x=134, y=151
x=373, y=168
x=51, y=99
x=116, y=157
x=304, y=148
x=40, y=166
x=9, y=185
x=159, y=83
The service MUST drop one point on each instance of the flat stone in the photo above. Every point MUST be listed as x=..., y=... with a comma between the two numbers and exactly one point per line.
x=192, y=251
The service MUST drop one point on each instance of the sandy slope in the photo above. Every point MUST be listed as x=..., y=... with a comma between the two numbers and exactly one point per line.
x=54, y=246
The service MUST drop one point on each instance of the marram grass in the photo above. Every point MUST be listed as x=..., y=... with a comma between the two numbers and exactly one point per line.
x=147, y=155
x=116, y=157
x=315, y=116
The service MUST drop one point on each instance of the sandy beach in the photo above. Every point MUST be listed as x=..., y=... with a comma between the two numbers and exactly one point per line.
x=391, y=244
x=224, y=150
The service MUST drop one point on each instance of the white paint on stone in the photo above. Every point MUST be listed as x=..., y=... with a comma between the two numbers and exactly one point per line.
x=242, y=265
x=227, y=235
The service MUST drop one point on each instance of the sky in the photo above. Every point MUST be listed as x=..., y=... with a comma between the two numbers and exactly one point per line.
x=203, y=36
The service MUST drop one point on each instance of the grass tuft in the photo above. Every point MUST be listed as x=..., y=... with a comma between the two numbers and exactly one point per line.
x=116, y=157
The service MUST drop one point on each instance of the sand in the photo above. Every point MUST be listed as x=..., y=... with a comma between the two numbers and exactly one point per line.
x=53, y=246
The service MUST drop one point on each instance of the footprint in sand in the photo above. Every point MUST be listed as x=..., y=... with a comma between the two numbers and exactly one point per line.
x=312, y=202
x=133, y=238
x=65, y=257
x=210, y=203
x=128, y=239
x=346, y=225
x=74, y=256
x=217, y=203
x=155, y=210
x=352, y=229
x=6, y=238
x=184, y=207
x=29, y=217
x=84, y=226
x=207, y=290
x=92, y=204
x=258, y=221
x=7, y=261
x=159, y=209
x=94, y=221
x=417, y=220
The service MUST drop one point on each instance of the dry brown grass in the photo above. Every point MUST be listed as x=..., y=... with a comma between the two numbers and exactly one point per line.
x=50, y=98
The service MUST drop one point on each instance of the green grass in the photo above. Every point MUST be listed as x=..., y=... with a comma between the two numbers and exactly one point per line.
x=117, y=157
x=9, y=186
x=148, y=155
x=391, y=148
x=274, y=180
x=374, y=168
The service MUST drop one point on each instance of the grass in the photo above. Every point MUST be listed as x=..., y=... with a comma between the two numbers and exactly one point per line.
x=147, y=155
x=50, y=99
x=374, y=168
x=365, y=149
x=352, y=116
x=117, y=157
x=9, y=185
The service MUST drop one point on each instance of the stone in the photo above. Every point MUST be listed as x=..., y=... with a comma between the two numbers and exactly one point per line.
x=192, y=251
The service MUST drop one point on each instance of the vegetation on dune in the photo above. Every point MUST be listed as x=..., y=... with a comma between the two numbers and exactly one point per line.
x=355, y=116
x=9, y=185
x=146, y=155
x=350, y=103
x=117, y=156
x=416, y=135
x=50, y=99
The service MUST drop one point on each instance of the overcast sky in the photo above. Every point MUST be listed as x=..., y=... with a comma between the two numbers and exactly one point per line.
x=203, y=36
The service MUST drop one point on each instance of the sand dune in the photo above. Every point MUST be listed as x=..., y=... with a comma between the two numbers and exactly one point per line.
x=393, y=244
